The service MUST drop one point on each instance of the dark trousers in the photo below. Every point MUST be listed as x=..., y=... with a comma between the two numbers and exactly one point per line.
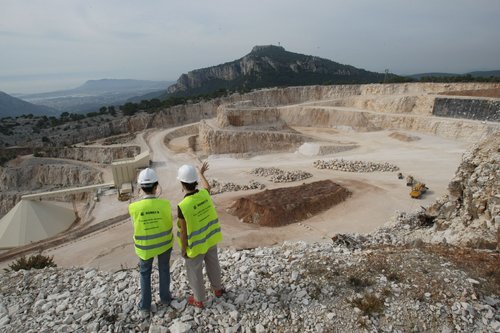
x=146, y=267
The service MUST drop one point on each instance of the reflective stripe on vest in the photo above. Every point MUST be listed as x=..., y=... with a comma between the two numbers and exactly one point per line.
x=152, y=221
x=202, y=223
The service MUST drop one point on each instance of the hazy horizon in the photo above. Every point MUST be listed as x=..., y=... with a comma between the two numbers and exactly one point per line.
x=52, y=45
x=26, y=84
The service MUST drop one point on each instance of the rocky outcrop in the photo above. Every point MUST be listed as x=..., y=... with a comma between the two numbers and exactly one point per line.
x=470, y=214
x=268, y=66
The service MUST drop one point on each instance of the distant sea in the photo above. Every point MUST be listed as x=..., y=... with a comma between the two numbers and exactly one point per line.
x=17, y=85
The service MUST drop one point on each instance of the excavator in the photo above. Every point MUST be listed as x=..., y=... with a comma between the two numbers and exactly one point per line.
x=418, y=190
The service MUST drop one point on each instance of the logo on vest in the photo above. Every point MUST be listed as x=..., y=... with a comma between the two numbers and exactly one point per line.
x=150, y=212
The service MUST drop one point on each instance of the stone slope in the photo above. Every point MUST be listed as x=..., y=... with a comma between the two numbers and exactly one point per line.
x=292, y=288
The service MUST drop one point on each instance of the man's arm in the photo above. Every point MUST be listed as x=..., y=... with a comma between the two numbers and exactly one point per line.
x=182, y=224
x=204, y=182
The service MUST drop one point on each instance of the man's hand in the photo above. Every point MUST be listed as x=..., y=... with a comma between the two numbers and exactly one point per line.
x=203, y=168
x=204, y=181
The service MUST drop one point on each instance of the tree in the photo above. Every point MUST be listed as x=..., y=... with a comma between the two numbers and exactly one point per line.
x=129, y=108
x=111, y=110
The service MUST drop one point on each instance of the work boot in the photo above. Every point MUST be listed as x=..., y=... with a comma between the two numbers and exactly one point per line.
x=219, y=292
x=192, y=301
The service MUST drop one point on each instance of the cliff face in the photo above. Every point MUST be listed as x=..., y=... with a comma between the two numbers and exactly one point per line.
x=268, y=66
x=390, y=101
x=92, y=154
x=477, y=109
x=470, y=214
x=416, y=99
x=213, y=140
x=35, y=175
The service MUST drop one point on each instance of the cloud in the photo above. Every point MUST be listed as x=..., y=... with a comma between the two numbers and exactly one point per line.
x=162, y=39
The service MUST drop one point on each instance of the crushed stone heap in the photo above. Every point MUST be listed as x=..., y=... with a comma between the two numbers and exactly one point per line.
x=217, y=186
x=295, y=287
x=281, y=206
x=281, y=176
x=355, y=166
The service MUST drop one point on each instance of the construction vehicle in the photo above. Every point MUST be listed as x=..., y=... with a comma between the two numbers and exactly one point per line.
x=418, y=190
x=409, y=180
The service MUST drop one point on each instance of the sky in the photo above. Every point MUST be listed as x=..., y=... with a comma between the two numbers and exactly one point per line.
x=47, y=45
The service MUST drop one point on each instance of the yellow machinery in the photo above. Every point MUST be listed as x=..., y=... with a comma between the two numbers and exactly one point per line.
x=418, y=190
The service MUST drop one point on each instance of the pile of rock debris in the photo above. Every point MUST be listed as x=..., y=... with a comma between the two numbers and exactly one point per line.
x=281, y=176
x=296, y=287
x=217, y=187
x=354, y=166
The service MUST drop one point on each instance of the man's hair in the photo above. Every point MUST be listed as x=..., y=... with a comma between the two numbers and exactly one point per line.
x=190, y=186
x=149, y=188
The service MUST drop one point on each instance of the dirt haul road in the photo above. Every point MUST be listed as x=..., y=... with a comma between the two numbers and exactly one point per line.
x=376, y=196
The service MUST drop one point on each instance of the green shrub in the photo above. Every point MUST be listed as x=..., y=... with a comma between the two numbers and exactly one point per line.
x=36, y=261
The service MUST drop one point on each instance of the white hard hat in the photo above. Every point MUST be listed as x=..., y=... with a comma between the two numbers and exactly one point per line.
x=187, y=174
x=147, y=177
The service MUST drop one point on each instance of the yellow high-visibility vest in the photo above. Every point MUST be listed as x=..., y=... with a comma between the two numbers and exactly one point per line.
x=202, y=223
x=152, y=220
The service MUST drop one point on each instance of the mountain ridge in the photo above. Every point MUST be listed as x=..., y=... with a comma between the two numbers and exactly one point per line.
x=94, y=94
x=11, y=106
x=103, y=85
x=484, y=74
x=270, y=66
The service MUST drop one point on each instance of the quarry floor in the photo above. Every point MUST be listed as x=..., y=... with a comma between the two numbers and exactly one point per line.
x=375, y=200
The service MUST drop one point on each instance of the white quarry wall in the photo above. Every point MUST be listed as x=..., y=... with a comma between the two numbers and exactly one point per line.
x=213, y=140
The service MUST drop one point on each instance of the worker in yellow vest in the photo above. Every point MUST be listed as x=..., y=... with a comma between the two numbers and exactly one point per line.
x=152, y=220
x=198, y=234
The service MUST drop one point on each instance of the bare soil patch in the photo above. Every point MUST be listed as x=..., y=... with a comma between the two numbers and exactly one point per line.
x=283, y=206
x=480, y=265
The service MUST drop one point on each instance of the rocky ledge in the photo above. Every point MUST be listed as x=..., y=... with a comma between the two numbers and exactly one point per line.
x=296, y=287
